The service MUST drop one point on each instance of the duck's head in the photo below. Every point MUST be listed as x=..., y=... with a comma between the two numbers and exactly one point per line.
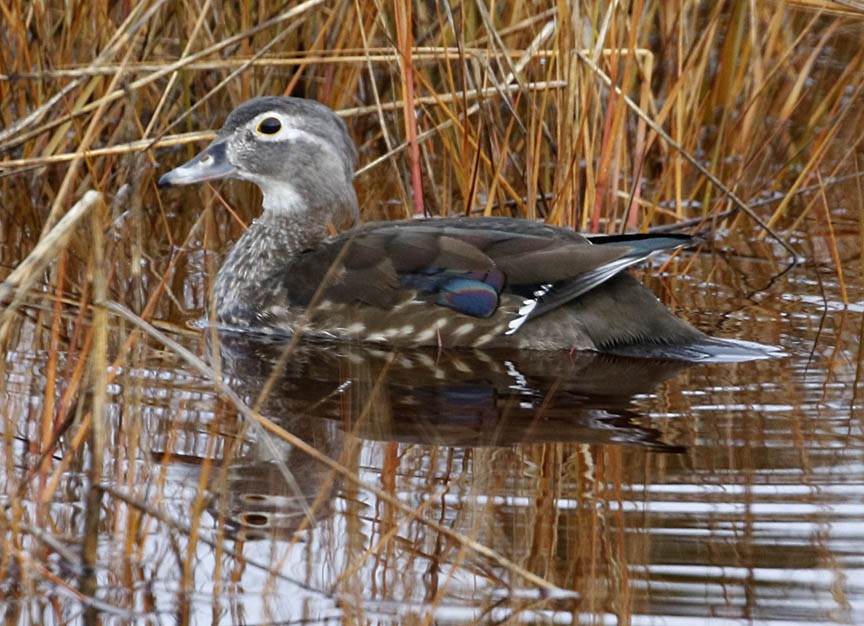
x=297, y=151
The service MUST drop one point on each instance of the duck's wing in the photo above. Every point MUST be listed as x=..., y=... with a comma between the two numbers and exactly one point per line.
x=465, y=265
x=630, y=249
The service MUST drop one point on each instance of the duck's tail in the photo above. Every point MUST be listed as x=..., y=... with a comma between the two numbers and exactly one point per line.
x=705, y=350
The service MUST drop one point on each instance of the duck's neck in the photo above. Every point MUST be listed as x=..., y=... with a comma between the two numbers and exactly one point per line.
x=247, y=284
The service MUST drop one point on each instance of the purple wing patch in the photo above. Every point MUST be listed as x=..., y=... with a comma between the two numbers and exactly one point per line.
x=469, y=296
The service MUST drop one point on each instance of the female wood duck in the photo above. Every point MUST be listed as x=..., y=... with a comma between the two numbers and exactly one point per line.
x=492, y=282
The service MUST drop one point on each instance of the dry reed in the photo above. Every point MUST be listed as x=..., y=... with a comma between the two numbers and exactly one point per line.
x=600, y=116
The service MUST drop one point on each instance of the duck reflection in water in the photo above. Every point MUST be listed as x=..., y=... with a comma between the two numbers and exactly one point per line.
x=334, y=396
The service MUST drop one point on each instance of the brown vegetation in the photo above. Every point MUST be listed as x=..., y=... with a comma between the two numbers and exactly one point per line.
x=602, y=116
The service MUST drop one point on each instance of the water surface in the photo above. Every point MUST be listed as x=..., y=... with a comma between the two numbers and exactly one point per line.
x=540, y=488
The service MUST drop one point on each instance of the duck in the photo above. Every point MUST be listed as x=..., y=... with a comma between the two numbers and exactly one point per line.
x=473, y=282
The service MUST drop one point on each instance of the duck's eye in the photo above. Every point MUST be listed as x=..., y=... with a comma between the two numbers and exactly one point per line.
x=269, y=126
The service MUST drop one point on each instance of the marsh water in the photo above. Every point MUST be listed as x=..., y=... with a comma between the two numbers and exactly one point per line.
x=478, y=487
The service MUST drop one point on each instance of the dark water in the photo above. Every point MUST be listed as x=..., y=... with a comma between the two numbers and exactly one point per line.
x=534, y=488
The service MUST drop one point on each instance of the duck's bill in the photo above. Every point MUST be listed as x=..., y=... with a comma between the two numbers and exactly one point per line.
x=211, y=164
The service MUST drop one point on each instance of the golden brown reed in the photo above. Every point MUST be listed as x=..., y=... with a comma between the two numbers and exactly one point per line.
x=458, y=108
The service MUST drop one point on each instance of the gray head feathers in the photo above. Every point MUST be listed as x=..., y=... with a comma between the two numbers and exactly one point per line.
x=297, y=151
